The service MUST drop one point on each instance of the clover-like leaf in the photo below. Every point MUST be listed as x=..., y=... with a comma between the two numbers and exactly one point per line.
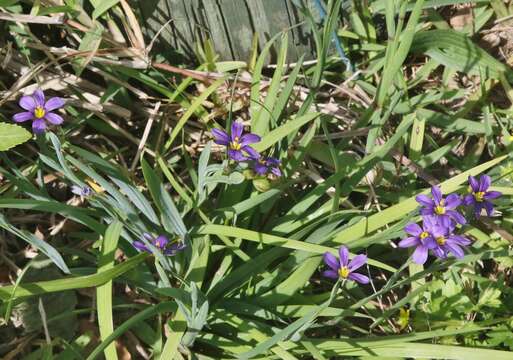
x=12, y=135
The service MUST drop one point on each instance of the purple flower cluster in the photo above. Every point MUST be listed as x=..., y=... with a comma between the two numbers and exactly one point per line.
x=239, y=149
x=39, y=110
x=440, y=218
x=161, y=242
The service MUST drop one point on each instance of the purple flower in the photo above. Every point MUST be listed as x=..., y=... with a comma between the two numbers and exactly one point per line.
x=421, y=237
x=161, y=242
x=440, y=208
x=85, y=191
x=448, y=242
x=343, y=268
x=479, y=197
x=237, y=143
x=263, y=165
x=40, y=111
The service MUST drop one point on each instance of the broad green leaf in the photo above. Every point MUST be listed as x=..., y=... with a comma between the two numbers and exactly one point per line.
x=12, y=135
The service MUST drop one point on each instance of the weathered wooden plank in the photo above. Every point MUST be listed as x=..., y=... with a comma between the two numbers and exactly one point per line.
x=229, y=23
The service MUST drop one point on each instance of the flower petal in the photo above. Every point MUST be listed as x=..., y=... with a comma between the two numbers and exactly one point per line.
x=460, y=219
x=474, y=184
x=492, y=195
x=424, y=200
x=452, y=201
x=439, y=253
x=139, y=245
x=236, y=155
x=23, y=116
x=460, y=240
x=409, y=242
x=249, y=139
x=330, y=274
x=28, y=103
x=54, y=118
x=260, y=169
x=276, y=171
x=220, y=137
x=39, y=97
x=469, y=200
x=420, y=255
x=54, y=103
x=161, y=242
x=427, y=212
x=357, y=262
x=237, y=129
x=360, y=278
x=331, y=261
x=437, y=194
x=489, y=208
x=38, y=126
x=251, y=152
x=343, y=254
x=478, y=208
x=455, y=249
x=484, y=183
x=413, y=229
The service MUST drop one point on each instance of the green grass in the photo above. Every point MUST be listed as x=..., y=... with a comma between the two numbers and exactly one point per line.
x=427, y=104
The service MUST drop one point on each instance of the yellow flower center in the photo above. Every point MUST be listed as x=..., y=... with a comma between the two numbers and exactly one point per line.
x=440, y=210
x=423, y=235
x=39, y=112
x=235, y=145
x=479, y=196
x=343, y=272
x=440, y=240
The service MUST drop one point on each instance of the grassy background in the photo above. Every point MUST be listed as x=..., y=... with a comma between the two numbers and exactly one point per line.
x=426, y=100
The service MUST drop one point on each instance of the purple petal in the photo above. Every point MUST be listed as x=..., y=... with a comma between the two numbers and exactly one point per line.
x=148, y=237
x=420, y=255
x=460, y=240
x=489, y=207
x=478, y=207
x=492, y=195
x=429, y=243
x=77, y=190
x=455, y=249
x=460, y=219
x=330, y=274
x=445, y=221
x=161, y=242
x=362, y=279
x=237, y=129
x=220, y=137
x=139, y=245
x=331, y=261
x=39, y=97
x=54, y=118
x=469, y=200
x=357, y=262
x=54, y=103
x=28, y=103
x=484, y=183
x=452, y=201
x=413, y=229
x=424, y=200
x=249, y=139
x=409, y=242
x=439, y=253
x=474, y=184
x=273, y=161
x=276, y=171
x=251, y=152
x=236, y=155
x=437, y=194
x=38, y=126
x=427, y=211
x=23, y=116
x=343, y=254
x=260, y=169
x=429, y=222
